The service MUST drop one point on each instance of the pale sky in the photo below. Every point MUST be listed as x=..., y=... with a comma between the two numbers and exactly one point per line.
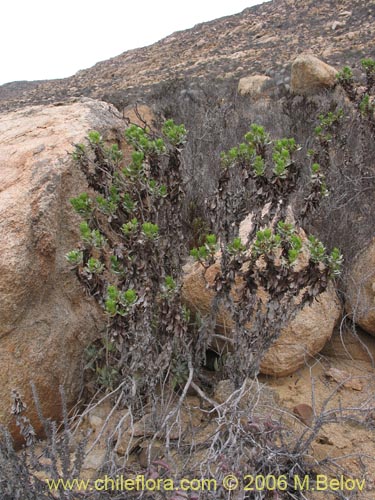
x=44, y=39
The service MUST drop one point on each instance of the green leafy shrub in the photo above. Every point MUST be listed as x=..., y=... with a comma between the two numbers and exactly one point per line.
x=345, y=76
x=82, y=204
x=366, y=106
x=259, y=166
x=368, y=65
x=266, y=241
x=91, y=237
x=236, y=246
x=130, y=227
x=176, y=134
x=134, y=249
x=150, y=230
x=75, y=257
x=326, y=123
x=205, y=254
x=94, y=266
x=142, y=142
x=94, y=137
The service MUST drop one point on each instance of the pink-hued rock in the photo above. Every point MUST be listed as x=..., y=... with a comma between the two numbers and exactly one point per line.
x=46, y=320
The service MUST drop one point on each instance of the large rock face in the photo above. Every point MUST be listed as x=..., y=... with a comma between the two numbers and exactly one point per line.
x=310, y=74
x=361, y=289
x=45, y=319
x=304, y=337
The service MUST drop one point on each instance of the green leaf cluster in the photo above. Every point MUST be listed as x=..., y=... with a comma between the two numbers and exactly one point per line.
x=326, y=123
x=236, y=247
x=74, y=257
x=255, y=141
x=91, y=237
x=107, y=376
x=368, y=65
x=94, y=266
x=285, y=237
x=94, y=137
x=317, y=250
x=206, y=251
x=366, y=106
x=295, y=248
x=79, y=152
x=135, y=168
x=82, y=204
x=318, y=255
x=110, y=204
x=141, y=141
x=170, y=284
x=150, y=230
x=285, y=229
x=259, y=166
x=282, y=151
x=265, y=242
x=128, y=204
x=119, y=302
x=157, y=189
x=176, y=134
x=114, y=153
x=130, y=227
x=319, y=177
x=345, y=76
x=335, y=261
x=257, y=137
x=116, y=267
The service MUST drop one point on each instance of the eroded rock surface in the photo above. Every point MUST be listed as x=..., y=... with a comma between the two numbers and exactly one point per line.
x=46, y=319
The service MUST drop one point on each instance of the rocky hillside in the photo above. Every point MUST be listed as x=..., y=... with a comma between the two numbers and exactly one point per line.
x=193, y=77
x=262, y=39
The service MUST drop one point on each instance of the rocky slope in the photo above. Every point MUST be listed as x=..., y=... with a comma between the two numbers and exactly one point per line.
x=262, y=39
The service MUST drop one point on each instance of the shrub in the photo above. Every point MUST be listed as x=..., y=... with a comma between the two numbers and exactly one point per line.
x=366, y=106
x=368, y=65
x=345, y=76
x=131, y=256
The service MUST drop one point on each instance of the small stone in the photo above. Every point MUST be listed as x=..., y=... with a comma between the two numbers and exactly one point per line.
x=95, y=459
x=149, y=452
x=305, y=413
x=95, y=422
